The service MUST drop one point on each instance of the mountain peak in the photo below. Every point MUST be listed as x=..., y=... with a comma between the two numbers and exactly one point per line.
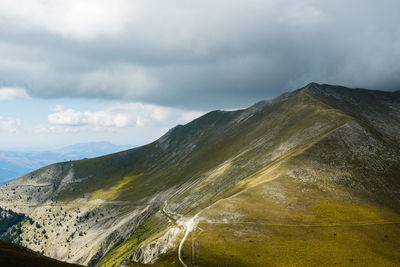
x=324, y=88
x=314, y=87
x=312, y=84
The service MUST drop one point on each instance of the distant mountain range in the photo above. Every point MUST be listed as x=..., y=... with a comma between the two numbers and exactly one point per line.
x=310, y=178
x=14, y=164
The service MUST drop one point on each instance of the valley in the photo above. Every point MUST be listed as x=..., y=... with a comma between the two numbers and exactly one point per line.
x=14, y=164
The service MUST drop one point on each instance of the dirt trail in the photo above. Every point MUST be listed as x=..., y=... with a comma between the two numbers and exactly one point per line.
x=186, y=224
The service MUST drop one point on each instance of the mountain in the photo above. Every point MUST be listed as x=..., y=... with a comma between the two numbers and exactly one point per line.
x=14, y=164
x=310, y=178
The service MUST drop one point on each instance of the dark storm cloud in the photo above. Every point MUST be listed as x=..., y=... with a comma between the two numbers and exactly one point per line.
x=203, y=54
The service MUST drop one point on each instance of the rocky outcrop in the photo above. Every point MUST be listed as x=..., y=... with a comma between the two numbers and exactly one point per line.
x=149, y=253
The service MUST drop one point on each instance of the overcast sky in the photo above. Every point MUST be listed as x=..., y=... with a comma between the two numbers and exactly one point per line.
x=127, y=70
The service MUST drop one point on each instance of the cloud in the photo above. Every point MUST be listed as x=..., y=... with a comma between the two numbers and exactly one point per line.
x=9, y=125
x=122, y=115
x=118, y=81
x=74, y=18
x=68, y=117
x=198, y=55
x=10, y=93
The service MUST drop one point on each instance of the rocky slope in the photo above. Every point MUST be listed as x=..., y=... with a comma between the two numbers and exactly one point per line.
x=279, y=183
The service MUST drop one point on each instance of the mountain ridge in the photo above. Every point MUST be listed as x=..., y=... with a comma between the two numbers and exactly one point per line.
x=325, y=159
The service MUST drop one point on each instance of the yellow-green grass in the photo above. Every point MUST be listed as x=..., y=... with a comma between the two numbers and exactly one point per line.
x=268, y=245
x=168, y=259
x=115, y=256
x=335, y=212
x=114, y=191
x=311, y=228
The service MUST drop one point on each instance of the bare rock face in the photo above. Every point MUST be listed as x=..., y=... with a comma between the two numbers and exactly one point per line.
x=149, y=253
x=319, y=164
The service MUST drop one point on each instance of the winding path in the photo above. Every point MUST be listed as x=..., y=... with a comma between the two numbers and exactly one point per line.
x=187, y=225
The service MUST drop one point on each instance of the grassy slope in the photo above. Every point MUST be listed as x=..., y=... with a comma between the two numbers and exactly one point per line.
x=328, y=205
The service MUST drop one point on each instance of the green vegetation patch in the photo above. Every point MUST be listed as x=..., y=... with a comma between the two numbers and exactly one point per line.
x=266, y=245
x=335, y=212
x=114, y=191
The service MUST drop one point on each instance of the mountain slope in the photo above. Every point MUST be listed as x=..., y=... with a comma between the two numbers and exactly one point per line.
x=302, y=174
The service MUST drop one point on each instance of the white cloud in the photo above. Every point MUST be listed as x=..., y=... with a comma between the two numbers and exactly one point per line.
x=72, y=18
x=122, y=115
x=10, y=93
x=68, y=117
x=9, y=125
